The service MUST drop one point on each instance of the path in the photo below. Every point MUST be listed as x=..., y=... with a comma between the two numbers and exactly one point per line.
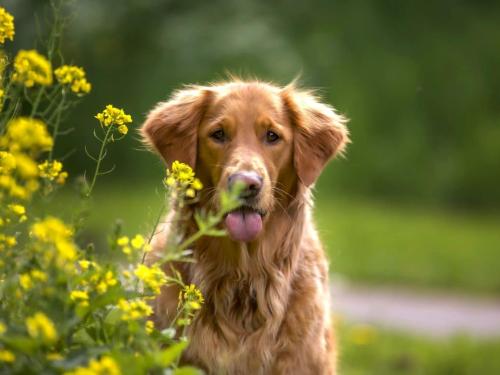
x=430, y=314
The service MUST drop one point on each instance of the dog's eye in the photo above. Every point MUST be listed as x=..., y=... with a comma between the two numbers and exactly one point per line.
x=272, y=137
x=218, y=136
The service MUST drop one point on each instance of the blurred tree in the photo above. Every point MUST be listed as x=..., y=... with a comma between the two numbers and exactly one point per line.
x=419, y=80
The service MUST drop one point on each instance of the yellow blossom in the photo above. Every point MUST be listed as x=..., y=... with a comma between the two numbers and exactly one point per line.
x=7, y=162
x=133, y=310
x=53, y=231
x=122, y=241
x=50, y=169
x=40, y=326
x=3, y=328
x=7, y=356
x=105, y=366
x=123, y=129
x=6, y=26
x=26, y=134
x=25, y=281
x=113, y=116
x=74, y=77
x=31, y=68
x=149, y=326
x=85, y=264
x=192, y=297
x=80, y=296
x=105, y=282
x=152, y=277
x=137, y=242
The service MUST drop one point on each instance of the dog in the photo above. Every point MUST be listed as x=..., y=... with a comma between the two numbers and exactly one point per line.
x=267, y=306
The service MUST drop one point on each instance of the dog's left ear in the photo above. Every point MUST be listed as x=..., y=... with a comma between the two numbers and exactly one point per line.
x=320, y=132
x=171, y=128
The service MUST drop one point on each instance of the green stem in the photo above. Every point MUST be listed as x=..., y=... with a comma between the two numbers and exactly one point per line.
x=157, y=222
x=37, y=102
x=56, y=124
x=99, y=160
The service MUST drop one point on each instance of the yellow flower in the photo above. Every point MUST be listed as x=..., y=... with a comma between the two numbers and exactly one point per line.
x=149, y=326
x=196, y=184
x=182, y=172
x=40, y=326
x=105, y=366
x=17, y=209
x=80, y=296
x=122, y=241
x=74, y=77
x=54, y=232
x=52, y=170
x=190, y=193
x=113, y=116
x=3, y=328
x=25, y=281
x=38, y=275
x=106, y=281
x=27, y=134
x=85, y=264
x=152, y=277
x=31, y=68
x=7, y=356
x=192, y=297
x=7, y=162
x=123, y=129
x=133, y=310
x=51, y=230
x=137, y=242
x=6, y=26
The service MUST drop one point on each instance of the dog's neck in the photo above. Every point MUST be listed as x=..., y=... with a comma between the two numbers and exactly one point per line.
x=250, y=283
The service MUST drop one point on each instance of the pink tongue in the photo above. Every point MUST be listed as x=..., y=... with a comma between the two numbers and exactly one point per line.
x=243, y=226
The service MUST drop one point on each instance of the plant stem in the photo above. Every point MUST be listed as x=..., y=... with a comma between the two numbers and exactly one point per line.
x=37, y=101
x=99, y=160
x=56, y=124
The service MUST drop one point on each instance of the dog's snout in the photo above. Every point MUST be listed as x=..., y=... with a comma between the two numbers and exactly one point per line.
x=251, y=181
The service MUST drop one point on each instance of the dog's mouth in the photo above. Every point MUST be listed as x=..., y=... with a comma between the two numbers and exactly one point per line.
x=244, y=224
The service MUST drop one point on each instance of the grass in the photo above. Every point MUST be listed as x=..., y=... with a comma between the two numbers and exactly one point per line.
x=366, y=350
x=383, y=243
x=367, y=241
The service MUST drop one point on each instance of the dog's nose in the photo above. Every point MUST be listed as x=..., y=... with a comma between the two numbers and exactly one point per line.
x=251, y=181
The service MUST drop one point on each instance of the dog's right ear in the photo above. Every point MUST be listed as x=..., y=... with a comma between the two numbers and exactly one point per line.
x=171, y=128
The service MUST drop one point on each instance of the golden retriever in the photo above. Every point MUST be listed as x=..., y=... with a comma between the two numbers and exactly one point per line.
x=265, y=285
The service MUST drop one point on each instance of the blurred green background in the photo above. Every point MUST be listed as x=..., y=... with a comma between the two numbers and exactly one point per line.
x=417, y=199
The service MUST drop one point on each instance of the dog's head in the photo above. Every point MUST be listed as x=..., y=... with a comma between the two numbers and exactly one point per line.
x=270, y=139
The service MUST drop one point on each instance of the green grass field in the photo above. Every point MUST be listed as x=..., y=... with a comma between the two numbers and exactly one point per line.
x=365, y=350
x=367, y=241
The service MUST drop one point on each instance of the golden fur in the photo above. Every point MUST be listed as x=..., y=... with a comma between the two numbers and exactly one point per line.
x=266, y=305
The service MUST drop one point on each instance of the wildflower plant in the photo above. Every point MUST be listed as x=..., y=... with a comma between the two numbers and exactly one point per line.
x=63, y=309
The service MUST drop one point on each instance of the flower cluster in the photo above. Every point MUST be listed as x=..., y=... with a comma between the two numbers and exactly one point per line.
x=136, y=243
x=32, y=68
x=52, y=171
x=153, y=277
x=133, y=310
x=6, y=26
x=39, y=326
x=182, y=176
x=74, y=77
x=56, y=241
x=28, y=135
x=114, y=116
x=105, y=366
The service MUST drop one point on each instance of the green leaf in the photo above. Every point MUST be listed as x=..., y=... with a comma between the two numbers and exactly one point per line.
x=166, y=357
x=187, y=370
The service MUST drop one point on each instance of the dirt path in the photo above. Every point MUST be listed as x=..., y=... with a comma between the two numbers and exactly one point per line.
x=429, y=314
